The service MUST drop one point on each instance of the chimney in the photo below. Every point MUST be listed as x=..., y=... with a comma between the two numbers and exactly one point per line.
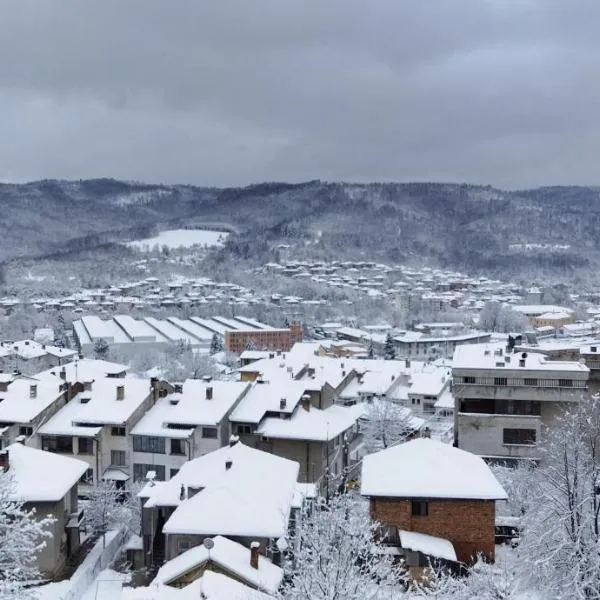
x=120, y=392
x=20, y=439
x=33, y=391
x=426, y=433
x=522, y=362
x=282, y=403
x=306, y=402
x=63, y=374
x=233, y=440
x=209, y=392
x=228, y=464
x=407, y=363
x=182, y=492
x=4, y=462
x=254, y=552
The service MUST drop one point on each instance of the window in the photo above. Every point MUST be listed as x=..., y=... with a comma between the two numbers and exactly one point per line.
x=183, y=545
x=416, y=400
x=531, y=381
x=117, y=431
x=178, y=447
x=25, y=430
x=469, y=379
x=500, y=381
x=243, y=430
x=60, y=444
x=140, y=471
x=87, y=477
x=146, y=443
x=419, y=509
x=173, y=472
x=85, y=445
x=209, y=432
x=565, y=383
x=520, y=437
x=118, y=458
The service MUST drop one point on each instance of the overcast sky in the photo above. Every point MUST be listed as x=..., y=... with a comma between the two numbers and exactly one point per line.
x=228, y=92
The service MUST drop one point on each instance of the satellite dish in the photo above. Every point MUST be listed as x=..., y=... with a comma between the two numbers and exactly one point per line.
x=208, y=543
x=282, y=544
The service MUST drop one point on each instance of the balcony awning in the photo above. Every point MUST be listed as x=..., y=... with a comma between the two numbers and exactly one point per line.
x=115, y=475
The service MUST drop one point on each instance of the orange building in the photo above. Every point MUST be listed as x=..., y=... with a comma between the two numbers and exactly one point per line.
x=263, y=339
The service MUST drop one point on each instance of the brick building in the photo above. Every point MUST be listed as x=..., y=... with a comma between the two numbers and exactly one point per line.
x=263, y=339
x=431, y=488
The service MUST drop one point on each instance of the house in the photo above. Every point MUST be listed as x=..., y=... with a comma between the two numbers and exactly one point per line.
x=26, y=403
x=238, y=492
x=211, y=586
x=48, y=483
x=185, y=424
x=29, y=356
x=225, y=556
x=284, y=417
x=95, y=424
x=503, y=398
x=430, y=488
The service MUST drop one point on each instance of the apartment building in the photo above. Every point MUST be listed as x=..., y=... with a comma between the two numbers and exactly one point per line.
x=185, y=424
x=503, y=397
x=263, y=339
x=94, y=426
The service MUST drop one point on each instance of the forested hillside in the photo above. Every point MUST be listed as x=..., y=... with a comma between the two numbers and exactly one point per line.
x=467, y=227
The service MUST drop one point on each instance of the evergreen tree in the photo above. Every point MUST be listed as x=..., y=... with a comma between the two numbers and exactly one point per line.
x=216, y=344
x=389, y=350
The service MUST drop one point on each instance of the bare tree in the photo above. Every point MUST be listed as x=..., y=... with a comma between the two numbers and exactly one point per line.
x=386, y=424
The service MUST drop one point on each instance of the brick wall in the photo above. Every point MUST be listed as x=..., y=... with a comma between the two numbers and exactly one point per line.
x=468, y=524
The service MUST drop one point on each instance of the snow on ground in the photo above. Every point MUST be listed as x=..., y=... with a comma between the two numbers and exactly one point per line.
x=107, y=586
x=177, y=238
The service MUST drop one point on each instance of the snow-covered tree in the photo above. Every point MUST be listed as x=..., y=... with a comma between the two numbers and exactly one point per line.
x=22, y=536
x=560, y=544
x=370, y=350
x=216, y=344
x=385, y=424
x=110, y=507
x=101, y=349
x=103, y=507
x=482, y=582
x=389, y=349
x=338, y=557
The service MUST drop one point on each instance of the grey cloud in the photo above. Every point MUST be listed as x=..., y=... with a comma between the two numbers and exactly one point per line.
x=229, y=92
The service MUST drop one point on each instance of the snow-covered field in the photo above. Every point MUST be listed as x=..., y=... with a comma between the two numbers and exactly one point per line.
x=181, y=238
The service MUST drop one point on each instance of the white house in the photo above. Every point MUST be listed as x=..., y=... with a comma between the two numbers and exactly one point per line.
x=238, y=492
x=184, y=425
x=48, y=483
x=95, y=425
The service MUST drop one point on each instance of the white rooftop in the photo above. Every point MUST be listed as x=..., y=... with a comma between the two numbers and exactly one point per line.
x=89, y=410
x=252, y=497
x=314, y=424
x=229, y=556
x=42, y=476
x=427, y=544
x=426, y=468
x=492, y=356
x=191, y=407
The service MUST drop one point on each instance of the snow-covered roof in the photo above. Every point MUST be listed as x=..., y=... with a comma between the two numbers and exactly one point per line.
x=430, y=383
x=85, y=369
x=494, y=356
x=252, y=497
x=427, y=544
x=42, y=476
x=426, y=468
x=191, y=407
x=18, y=404
x=211, y=586
x=229, y=556
x=534, y=310
x=267, y=397
x=90, y=409
x=314, y=424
